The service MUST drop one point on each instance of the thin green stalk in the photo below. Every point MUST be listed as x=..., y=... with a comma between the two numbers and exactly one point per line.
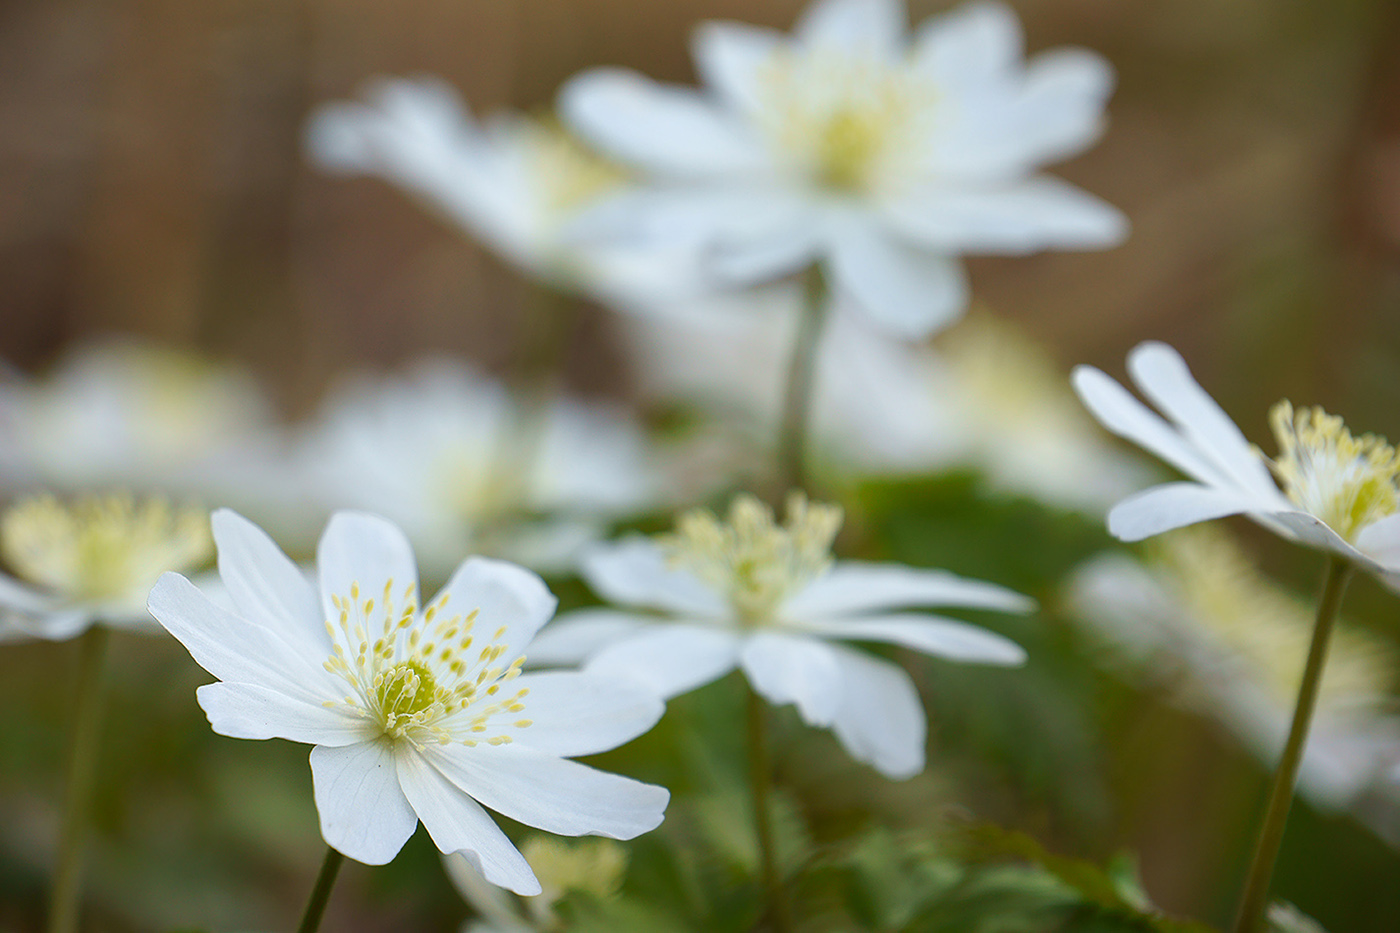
x=1255, y=899
x=760, y=780
x=321, y=892
x=66, y=895
x=797, y=394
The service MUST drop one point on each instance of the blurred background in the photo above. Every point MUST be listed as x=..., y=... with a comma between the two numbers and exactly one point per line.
x=153, y=184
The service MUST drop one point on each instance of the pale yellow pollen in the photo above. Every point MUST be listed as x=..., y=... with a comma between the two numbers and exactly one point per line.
x=568, y=174
x=101, y=547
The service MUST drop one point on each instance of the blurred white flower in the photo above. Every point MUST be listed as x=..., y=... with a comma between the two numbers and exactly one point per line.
x=847, y=144
x=416, y=712
x=447, y=454
x=768, y=599
x=1339, y=492
x=595, y=866
x=1197, y=619
x=91, y=561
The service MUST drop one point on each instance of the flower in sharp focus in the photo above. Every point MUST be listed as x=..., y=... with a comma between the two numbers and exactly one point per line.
x=849, y=145
x=91, y=560
x=769, y=599
x=418, y=711
x=1325, y=488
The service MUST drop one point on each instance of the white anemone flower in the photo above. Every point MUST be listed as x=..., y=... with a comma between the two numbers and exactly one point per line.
x=1338, y=492
x=768, y=598
x=418, y=711
x=847, y=144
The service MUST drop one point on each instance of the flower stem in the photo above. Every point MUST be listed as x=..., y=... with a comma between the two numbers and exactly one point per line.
x=760, y=780
x=65, y=896
x=797, y=395
x=1255, y=899
x=321, y=892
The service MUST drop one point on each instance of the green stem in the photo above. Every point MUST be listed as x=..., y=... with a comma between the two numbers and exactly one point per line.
x=760, y=779
x=321, y=892
x=1255, y=899
x=65, y=897
x=797, y=394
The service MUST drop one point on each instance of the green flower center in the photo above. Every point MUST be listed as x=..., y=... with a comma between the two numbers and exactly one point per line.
x=404, y=689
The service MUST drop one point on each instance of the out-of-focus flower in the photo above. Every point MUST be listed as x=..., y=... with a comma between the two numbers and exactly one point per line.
x=1339, y=492
x=1199, y=620
x=849, y=145
x=447, y=454
x=91, y=561
x=768, y=598
x=593, y=866
x=416, y=711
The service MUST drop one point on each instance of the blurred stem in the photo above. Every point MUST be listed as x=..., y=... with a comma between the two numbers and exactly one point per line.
x=760, y=780
x=66, y=896
x=797, y=395
x=1256, y=890
x=321, y=892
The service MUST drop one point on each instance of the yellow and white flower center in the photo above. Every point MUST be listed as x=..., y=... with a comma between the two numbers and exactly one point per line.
x=849, y=124
x=1348, y=482
x=568, y=175
x=102, y=547
x=752, y=560
x=422, y=677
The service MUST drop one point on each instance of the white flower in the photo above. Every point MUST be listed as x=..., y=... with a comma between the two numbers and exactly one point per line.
x=849, y=145
x=91, y=561
x=1200, y=622
x=447, y=454
x=1338, y=492
x=768, y=599
x=417, y=711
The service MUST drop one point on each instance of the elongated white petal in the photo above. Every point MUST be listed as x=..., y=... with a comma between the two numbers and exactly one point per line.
x=909, y=292
x=505, y=595
x=670, y=659
x=458, y=824
x=794, y=669
x=249, y=711
x=944, y=638
x=16, y=595
x=863, y=27
x=51, y=626
x=852, y=587
x=670, y=130
x=974, y=45
x=575, y=713
x=575, y=636
x=789, y=246
x=363, y=552
x=364, y=813
x=730, y=58
x=264, y=583
x=1174, y=505
x=1381, y=541
x=553, y=794
x=1314, y=532
x=880, y=719
x=634, y=572
x=1060, y=109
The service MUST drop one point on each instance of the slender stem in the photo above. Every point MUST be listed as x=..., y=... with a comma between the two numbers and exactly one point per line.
x=760, y=779
x=66, y=895
x=1256, y=890
x=797, y=394
x=321, y=892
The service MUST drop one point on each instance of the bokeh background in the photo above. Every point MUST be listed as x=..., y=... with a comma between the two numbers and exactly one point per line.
x=153, y=183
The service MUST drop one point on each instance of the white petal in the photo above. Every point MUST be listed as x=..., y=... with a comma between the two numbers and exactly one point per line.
x=506, y=596
x=458, y=824
x=864, y=27
x=669, y=658
x=53, y=626
x=553, y=794
x=16, y=595
x=634, y=572
x=573, y=637
x=944, y=638
x=1022, y=217
x=672, y=131
x=364, y=813
x=856, y=586
x=909, y=292
x=1174, y=505
x=1312, y=531
x=264, y=584
x=881, y=720
x=1059, y=111
x=248, y=711
x=575, y=713
x=730, y=57
x=789, y=246
x=975, y=45
x=1381, y=541
x=365, y=550
x=794, y=669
